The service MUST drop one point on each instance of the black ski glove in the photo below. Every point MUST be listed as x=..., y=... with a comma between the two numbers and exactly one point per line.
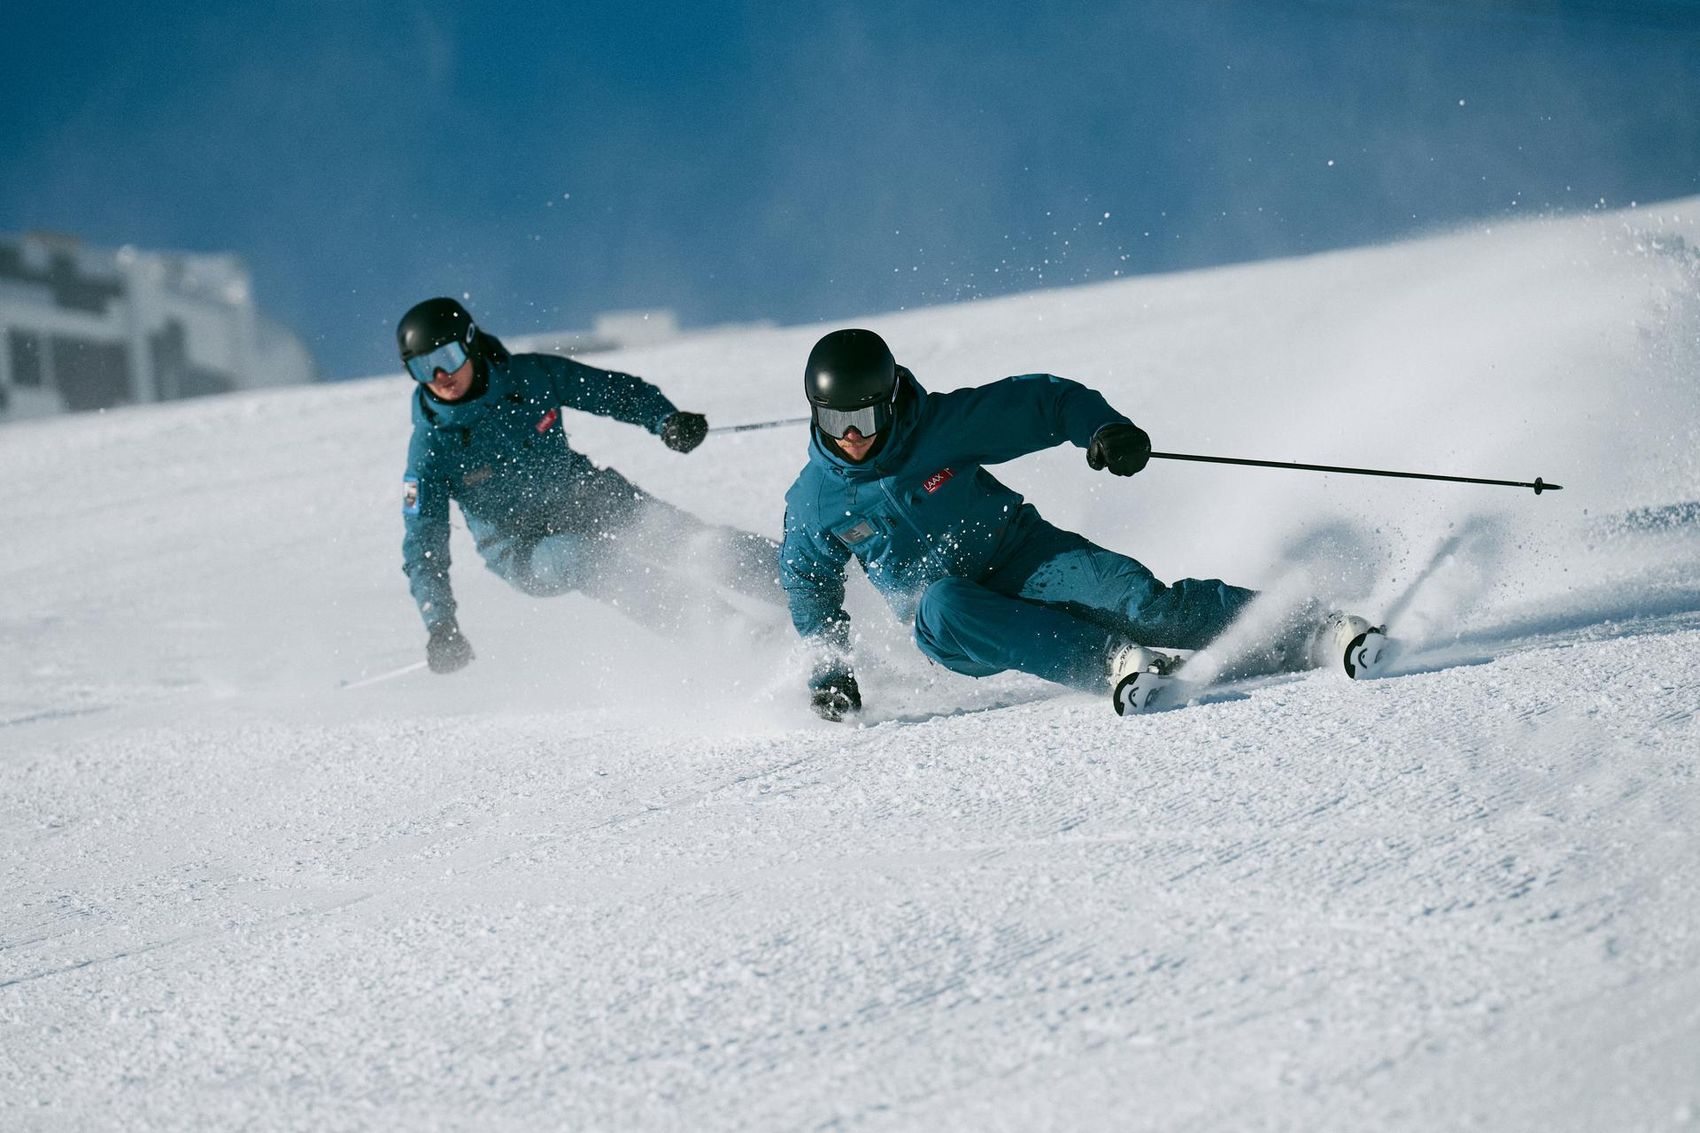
x=1123, y=449
x=683, y=432
x=835, y=694
x=447, y=650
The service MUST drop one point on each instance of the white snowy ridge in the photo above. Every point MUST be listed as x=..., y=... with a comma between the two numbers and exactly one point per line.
x=601, y=881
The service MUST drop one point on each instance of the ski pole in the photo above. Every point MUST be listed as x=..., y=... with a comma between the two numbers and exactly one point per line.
x=349, y=686
x=759, y=425
x=1538, y=485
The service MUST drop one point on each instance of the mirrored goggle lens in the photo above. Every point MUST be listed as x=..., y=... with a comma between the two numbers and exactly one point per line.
x=448, y=357
x=868, y=420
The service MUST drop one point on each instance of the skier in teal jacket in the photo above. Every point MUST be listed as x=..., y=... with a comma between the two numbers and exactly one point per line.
x=487, y=432
x=897, y=480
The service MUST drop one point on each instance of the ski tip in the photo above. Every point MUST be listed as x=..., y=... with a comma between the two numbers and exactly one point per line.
x=1139, y=692
x=1369, y=654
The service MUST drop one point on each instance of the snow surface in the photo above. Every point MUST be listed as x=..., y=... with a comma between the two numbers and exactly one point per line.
x=601, y=882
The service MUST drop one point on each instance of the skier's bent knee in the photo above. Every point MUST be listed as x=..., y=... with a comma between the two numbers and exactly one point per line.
x=943, y=597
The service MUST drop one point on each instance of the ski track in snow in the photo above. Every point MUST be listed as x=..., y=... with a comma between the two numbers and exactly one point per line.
x=597, y=882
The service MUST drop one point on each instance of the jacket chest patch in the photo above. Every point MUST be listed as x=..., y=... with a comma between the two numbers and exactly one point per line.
x=477, y=476
x=936, y=481
x=859, y=532
x=548, y=419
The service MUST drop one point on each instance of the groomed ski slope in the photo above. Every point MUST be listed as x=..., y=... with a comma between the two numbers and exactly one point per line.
x=599, y=881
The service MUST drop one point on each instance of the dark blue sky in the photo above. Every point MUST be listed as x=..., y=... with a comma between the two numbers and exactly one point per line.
x=808, y=161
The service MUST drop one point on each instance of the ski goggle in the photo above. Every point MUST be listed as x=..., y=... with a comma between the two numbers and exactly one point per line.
x=869, y=420
x=448, y=357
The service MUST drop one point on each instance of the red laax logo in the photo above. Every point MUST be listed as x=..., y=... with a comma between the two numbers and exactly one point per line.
x=548, y=419
x=934, y=482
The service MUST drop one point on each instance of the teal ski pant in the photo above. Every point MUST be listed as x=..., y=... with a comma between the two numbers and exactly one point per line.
x=1058, y=605
x=658, y=564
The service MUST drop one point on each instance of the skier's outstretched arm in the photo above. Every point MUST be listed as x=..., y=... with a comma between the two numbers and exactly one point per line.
x=425, y=560
x=811, y=568
x=624, y=397
x=1021, y=415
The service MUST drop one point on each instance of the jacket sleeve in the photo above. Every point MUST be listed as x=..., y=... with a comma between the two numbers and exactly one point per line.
x=811, y=568
x=1016, y=416
x=606, y=393
x=425, y=544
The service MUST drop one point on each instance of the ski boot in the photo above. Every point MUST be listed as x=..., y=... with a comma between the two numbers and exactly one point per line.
x=1137, y=677
x=1348, y=643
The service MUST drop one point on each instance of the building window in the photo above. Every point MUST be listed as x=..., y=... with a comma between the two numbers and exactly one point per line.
x=90, y=374
x=26, y=359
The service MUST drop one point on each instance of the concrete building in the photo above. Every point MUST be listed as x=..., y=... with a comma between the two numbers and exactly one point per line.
x=88, y=328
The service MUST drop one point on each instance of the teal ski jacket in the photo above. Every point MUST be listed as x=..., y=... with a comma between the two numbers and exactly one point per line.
x=924, y=507
x=503, y=455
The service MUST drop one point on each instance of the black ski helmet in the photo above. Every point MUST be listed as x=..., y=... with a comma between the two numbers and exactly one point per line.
x=434, y=324
x=431, y=324
x=851, y=381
